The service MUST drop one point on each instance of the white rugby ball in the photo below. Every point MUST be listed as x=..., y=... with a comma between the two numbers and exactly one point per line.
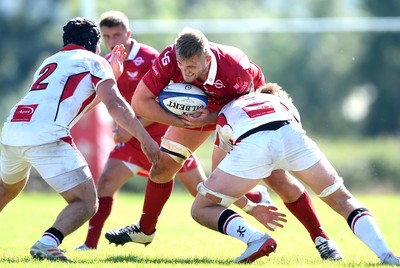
x=182, y=98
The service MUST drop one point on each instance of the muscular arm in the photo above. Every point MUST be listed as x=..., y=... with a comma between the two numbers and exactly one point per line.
x=144, y=103
x=124, y=116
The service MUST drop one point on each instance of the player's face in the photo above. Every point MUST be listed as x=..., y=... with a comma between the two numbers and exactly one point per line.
x=113, y=36
x=195, y=68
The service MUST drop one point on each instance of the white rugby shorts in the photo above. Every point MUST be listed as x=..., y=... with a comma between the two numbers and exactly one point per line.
x=60, y=164
x=257, y=155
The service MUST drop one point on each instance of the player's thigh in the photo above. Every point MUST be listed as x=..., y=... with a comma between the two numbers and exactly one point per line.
x=53, y=159
x=85, y=191
x=13, y=166
x=180, y=141
x=285, y=185
x=319, y=176
x=115, y=174
x=191, y=139
x=228, y=184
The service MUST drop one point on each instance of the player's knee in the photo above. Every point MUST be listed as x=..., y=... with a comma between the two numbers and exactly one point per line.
x=164, y=170
x=178, y=152
x=91, y=205
x=216, y=197
x=331, y=189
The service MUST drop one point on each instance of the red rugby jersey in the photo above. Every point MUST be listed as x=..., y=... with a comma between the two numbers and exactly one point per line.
x=231, y=74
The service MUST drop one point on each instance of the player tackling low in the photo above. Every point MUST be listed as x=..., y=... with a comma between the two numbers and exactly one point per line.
x=267, y=127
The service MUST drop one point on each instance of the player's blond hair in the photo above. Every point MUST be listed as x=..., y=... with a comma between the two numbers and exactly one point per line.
x=274, y=89
x=191, y=42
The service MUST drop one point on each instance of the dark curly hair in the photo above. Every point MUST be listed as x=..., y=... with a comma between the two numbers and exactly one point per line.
x=82, y=32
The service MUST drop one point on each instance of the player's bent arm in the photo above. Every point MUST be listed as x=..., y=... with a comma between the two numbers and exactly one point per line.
x=144, y=103
x=124, y=116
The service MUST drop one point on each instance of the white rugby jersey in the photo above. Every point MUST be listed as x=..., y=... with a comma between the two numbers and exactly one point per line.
x=63, y=88
x=248, y=112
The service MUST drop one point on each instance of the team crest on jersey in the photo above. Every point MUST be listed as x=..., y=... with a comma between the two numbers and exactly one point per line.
x=138, y=61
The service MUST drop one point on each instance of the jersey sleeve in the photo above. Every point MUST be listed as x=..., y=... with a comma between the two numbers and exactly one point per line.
x=248, y=77
x=100, y=70
x=161, y=72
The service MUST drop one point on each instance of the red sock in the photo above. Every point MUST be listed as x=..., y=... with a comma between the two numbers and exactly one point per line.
x=96, y=223
x=254, y=196
x=157, y=195
x=303, y=209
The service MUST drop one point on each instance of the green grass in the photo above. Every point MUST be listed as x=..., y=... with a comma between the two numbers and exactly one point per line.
x=181, y=242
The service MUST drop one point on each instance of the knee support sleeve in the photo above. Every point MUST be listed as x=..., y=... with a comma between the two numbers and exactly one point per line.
x=332, y=188
x=216, y=197
x=177, y=151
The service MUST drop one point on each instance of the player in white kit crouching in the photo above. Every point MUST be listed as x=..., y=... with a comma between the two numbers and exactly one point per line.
x=262, y=133
x=37, y=131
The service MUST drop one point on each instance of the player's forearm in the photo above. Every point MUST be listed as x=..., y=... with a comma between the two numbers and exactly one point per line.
x=124, y=116
x=151, y=110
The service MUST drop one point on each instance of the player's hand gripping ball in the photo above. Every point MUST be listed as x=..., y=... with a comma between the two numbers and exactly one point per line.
x=182, y=98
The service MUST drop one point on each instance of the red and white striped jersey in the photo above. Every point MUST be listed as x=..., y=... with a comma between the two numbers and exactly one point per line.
x=248, y=112
x=63, y=88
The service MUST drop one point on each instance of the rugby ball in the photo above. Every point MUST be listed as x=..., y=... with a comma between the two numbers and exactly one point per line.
x=182, y=98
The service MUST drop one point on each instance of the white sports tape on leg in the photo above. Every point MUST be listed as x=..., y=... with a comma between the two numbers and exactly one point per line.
x=177, y=151
x=218, y=198
x=331, y=189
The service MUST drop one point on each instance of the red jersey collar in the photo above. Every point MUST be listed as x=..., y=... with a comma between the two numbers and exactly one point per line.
x=71, y=47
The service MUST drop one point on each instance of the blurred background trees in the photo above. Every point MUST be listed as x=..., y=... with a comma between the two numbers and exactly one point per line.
x=344, y=76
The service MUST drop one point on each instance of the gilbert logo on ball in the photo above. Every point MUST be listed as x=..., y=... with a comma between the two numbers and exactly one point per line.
x=182, y=98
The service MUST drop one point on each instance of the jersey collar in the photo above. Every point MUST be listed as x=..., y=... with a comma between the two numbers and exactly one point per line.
x=212, y=73
x=71, y=47
x=134, y=50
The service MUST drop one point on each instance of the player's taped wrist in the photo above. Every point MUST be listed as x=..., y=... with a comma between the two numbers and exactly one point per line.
x=249, y=206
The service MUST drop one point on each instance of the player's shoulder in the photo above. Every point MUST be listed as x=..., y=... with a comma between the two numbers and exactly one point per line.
x=230, y=55
x=147, y=49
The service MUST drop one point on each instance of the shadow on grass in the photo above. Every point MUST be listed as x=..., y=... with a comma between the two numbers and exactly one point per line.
x=150, y=260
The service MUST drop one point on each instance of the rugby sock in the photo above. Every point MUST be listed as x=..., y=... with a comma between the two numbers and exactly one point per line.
x=232, y=224
x=96, y=223
x=157, y=195
x=52, y=237
x=303, y=209
x=364, y=226
x=254, y=196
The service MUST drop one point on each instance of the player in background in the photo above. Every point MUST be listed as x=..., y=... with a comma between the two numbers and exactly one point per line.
x=268, y=127
x=36, y=132
x=127, y=158
x=224, y=73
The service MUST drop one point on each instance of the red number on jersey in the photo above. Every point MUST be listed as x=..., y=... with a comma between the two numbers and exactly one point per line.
x=44, y=73
x=258, y=109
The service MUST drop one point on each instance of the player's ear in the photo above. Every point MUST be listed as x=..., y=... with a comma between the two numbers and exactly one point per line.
x=208, y=58
x=128, y=33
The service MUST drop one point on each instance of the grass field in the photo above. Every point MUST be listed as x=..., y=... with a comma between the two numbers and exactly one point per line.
x=181, y=242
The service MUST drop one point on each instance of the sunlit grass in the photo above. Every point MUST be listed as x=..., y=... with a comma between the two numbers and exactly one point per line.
x=181, y=242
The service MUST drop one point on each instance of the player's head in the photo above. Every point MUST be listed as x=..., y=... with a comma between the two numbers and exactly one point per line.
x=274, y=89
x=114, y=26
x=82, y=32
x=193, y=54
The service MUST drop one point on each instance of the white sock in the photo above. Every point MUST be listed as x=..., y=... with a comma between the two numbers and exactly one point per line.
x=366, y=229
x=49, y=240
x=237, y=227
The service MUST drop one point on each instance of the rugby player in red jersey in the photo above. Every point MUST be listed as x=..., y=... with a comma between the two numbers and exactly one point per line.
x=127, y=158
x=224, y=73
